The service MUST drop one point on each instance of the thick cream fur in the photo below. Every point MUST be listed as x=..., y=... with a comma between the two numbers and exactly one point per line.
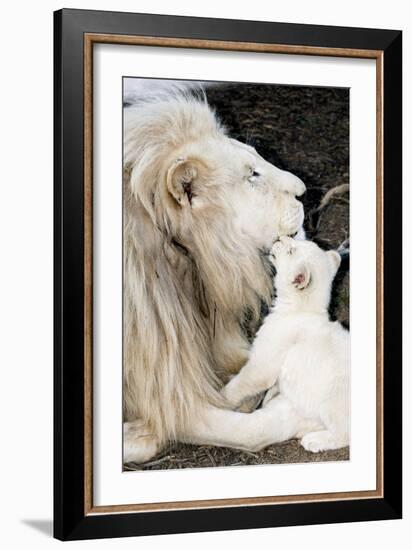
x=199, y=209
x=299, y=352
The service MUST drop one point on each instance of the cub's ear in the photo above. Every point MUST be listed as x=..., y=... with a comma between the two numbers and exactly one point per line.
x=182, y=179
x=301, y=277
x=334, y=259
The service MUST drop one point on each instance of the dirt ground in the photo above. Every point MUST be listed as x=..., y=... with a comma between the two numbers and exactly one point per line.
x=304, y=130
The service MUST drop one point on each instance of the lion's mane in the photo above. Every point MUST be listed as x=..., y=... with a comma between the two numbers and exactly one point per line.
x=184, y=298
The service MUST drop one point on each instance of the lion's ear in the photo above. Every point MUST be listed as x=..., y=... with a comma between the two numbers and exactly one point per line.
x=181, y=179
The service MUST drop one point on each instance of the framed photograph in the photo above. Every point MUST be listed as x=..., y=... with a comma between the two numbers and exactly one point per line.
x=228, y=202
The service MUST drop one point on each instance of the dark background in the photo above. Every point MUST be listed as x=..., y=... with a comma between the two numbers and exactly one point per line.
x=304, y=130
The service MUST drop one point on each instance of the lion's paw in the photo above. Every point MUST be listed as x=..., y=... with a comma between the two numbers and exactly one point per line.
x=138, y=444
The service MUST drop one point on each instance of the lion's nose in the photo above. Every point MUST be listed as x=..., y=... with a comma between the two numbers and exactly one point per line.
x=289, y=183
x=300, y=187
x=297, y=187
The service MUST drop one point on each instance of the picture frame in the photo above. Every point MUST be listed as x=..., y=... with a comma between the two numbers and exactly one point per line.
x=76, y=32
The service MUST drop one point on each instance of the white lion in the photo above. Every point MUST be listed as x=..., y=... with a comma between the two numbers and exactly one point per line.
x=199, y=209
x=300, y=352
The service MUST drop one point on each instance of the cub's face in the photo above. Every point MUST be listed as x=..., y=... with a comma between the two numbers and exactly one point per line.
x=302, y=267
x=219, y=173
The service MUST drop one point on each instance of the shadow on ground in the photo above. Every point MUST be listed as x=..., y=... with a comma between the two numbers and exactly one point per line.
x=44, y=526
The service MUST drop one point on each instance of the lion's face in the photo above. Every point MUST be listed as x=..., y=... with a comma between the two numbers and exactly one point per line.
x=222, y=175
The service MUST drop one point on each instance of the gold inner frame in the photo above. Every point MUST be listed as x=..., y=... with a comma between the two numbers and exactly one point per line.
x=89, y=40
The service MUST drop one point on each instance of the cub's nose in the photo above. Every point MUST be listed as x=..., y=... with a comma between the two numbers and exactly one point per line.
x=286, y=241
x=277, y=245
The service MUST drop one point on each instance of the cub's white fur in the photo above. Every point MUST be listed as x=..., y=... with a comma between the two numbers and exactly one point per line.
x=300, y=353
x=199, y=208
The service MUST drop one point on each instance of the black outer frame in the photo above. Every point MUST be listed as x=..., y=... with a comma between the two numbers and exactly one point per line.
x=70, y=522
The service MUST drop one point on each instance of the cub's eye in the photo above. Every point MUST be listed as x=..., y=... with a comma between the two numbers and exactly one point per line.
x=253, y=175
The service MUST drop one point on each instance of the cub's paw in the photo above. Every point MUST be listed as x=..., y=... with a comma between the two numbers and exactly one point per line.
x=270, y=394
x=232, y=395
x=316, y=442
x=250, y=404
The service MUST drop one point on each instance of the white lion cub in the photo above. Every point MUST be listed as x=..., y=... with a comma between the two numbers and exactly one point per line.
x=300, y=352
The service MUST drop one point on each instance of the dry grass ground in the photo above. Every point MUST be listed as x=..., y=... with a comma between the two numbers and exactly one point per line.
x=304, y=130
x=191, y=456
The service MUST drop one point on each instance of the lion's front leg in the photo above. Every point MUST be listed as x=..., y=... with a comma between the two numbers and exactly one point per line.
x=139, y=445
x=275, y=423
